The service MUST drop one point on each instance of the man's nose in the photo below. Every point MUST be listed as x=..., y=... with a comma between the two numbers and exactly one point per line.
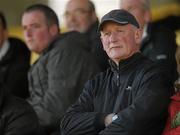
x=70, y=16
x=28, y=32
x=113, y=37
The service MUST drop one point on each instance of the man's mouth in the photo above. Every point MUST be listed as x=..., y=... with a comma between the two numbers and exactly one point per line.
x=115, y=47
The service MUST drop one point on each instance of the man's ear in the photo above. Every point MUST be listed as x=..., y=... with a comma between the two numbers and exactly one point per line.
x=138, y=36
x=102, y=42
x=54, y=30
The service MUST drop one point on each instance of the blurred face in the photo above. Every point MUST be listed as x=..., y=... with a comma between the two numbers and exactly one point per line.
x=36, y=32
x=136, y=8
x=78, y=16
x=120, y=41
x=3, y=35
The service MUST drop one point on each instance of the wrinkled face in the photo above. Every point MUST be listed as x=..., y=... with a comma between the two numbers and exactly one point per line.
x=36, y=32
x=78, y=16
x=3, y=35
x=136, y=8
x=120, y=41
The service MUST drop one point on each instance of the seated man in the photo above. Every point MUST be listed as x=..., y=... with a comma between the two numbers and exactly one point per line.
x=64, y=65
x=14, y=62
x=130, y=98
x=17, y=117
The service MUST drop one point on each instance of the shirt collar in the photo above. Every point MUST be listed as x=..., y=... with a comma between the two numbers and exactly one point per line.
x=145, y=33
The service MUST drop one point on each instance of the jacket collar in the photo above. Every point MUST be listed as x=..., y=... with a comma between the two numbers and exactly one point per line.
x=81, y=38
x=124, y=63
x=51, y=44
x=92, y=31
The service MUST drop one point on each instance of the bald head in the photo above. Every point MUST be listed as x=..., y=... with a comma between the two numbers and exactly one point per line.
x=139, y=8
x=87, y=4
x=142, y=3
x=80, y=15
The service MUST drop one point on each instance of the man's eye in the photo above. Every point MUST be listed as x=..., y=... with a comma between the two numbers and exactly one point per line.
x=119, y=31
x=106, y=33
x=77, y=12
x=66, y=14
x=80, y=12
x=35, y=26
x=24, y=27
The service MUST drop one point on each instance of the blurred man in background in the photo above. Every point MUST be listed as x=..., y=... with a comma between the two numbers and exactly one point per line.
x=14, y=62
x=158, y=43
x=80, y=15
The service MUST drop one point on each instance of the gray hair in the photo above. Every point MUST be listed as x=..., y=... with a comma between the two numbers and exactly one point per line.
x=144, y=3
x=91, y=6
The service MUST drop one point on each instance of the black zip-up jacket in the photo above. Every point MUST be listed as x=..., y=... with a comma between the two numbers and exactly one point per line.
x=14, y=68
x=58, y=77
x=17, y=117
x=137, y=91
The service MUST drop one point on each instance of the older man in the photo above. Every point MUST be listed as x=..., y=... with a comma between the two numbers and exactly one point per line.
x=80, y=15
x=130, y=98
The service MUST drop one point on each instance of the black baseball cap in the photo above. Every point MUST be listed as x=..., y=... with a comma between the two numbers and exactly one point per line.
x=120, y=16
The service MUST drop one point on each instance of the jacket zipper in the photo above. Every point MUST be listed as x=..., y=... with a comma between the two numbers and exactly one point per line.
x=118, y=76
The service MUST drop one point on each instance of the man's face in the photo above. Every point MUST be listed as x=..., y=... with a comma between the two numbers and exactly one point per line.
x=78, y=16
x=120, y=41
x=36, y=31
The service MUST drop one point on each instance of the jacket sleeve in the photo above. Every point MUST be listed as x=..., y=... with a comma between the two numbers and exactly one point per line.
x=80, y=118
x=17, y=66
x=20, y=119
x=67, y=72
x=149, y=107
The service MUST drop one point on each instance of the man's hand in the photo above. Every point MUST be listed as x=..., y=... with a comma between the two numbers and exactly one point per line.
x=110, y=118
